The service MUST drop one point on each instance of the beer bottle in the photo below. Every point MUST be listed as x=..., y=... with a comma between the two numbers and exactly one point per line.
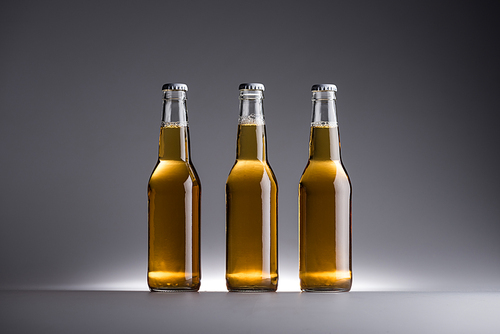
x=251, y=203
x=174, y=202
x=324, y=203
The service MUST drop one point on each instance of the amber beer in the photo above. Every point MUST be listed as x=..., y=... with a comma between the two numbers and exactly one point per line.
x=324, y=203
x=174, y=203
x=251, y=203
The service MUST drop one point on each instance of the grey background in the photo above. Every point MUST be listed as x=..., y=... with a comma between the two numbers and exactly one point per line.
x=80, y=106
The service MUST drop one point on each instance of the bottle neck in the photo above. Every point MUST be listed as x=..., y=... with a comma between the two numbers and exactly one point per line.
x=324, y=109
x=174, y=108
x=251, y=144
x=251, y=107
x=324, y=142
x=174, y=133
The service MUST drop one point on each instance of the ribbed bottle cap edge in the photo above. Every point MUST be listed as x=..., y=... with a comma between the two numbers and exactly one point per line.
x=252, y=86
x=175, y=86
x=324, y=87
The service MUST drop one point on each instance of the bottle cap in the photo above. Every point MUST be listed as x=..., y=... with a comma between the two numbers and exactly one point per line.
x=324, y=87
x=175, y=86
x=252, y=86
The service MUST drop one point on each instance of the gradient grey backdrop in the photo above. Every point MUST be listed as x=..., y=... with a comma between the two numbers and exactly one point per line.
x=80, y=101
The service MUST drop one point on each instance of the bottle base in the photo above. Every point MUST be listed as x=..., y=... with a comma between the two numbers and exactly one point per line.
x=326, y=289
x=165, y=281
x=174, y=290
x=328, y=281
x=251, y=289
x=251, y=282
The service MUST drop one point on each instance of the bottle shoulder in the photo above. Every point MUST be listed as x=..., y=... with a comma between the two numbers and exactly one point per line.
x=251, y=170
x=174, y=171
x=325, y=171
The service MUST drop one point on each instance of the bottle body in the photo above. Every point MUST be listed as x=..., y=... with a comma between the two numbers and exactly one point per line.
x=325, y=214
x=251, y=213
x=174, y=214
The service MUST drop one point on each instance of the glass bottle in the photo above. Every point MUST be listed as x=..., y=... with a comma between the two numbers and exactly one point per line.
x=251, y=203
x=174, y=202
x=324, y=203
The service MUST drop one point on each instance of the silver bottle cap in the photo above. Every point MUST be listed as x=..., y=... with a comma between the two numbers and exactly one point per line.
x=175, y=86
x=252, y=86
x=324, y=87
